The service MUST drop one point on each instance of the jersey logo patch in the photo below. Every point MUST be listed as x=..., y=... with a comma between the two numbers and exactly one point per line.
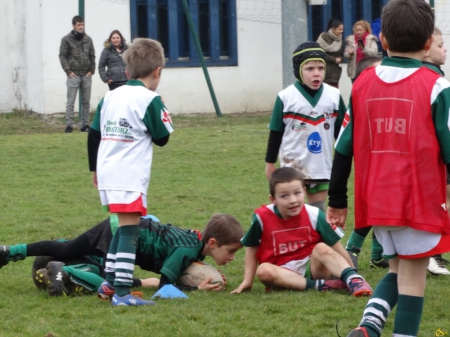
x=299, y=126
x=290, y=240
x=314, y=143
x=123, y=122
x=389, y=124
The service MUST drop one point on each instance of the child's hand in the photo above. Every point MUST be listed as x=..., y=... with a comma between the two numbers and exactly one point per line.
x=243, y=287
x=94, y=180
x=206, y=285
x=150, y=282
x=337, y=216
x=224, y=278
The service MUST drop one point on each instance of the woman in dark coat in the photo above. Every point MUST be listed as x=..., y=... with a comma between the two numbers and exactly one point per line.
x=111, y=66
x=331, y=42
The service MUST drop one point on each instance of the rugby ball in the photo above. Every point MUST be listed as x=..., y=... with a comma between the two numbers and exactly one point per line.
x=197, y=272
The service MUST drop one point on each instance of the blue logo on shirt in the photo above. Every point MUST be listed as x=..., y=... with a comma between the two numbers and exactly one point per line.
x=314, y=143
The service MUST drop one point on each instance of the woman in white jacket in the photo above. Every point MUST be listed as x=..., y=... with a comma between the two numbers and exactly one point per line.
x=359, y=45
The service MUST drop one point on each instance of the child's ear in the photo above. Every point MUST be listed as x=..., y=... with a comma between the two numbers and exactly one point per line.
x=272, y=199
x=384, y=42
x=428, y=43
x=212, y=243
x=157, y=73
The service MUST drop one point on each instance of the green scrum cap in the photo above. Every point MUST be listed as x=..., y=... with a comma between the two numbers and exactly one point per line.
x=307, y=51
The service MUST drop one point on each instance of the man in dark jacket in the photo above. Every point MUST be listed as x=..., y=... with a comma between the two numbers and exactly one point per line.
x=77, y=56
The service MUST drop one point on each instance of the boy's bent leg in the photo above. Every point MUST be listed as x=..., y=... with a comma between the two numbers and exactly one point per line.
x=83, y=277
x=274, y=276
x=326, y=262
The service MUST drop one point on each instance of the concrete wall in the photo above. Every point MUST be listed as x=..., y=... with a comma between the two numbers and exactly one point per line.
x=33, y=78
x=31, y=32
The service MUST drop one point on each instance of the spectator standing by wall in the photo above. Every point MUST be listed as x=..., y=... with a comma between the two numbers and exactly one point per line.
x=111, y=66
x=331, y=42
x=359, y=45
x=77, y=57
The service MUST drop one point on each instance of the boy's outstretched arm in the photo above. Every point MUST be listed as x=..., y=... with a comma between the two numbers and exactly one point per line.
x=205, y=285
x=150, y=282
x=251, y=264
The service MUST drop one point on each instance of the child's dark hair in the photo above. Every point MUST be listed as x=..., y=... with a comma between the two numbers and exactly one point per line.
x=284, y=175
x=225, y=228
x=333, y=24
x=407, y=25
x=365, y=63
x=76, y=19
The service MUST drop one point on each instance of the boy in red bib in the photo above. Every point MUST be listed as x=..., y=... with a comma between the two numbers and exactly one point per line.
x=397, y=130
x=295, y=247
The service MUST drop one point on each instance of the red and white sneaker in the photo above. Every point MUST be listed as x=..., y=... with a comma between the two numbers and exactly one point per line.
x=358, y=288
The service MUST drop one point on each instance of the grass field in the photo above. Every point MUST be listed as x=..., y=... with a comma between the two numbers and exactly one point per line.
x=210, y=165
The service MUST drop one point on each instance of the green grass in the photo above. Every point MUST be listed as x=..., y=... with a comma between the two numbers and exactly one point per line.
x=210, y=165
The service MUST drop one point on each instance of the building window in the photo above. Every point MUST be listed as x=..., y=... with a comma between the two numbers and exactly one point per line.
x=165, y=21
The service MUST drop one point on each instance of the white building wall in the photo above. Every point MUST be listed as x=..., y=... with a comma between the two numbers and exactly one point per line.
x=7, y=101
x=32, y=31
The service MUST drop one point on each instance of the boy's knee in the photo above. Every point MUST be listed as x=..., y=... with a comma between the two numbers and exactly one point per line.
x=322, y=249
x=265, y=273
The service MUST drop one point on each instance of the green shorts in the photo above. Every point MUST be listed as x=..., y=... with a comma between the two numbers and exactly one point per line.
x=308, y=270
x=317, y=187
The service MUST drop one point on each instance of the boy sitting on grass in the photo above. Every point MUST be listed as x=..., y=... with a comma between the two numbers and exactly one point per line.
x=295, y=247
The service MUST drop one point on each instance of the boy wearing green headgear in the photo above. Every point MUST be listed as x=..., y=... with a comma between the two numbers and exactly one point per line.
x=305, y=121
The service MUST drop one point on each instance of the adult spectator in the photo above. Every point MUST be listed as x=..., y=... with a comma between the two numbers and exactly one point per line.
x=111, y=66
x=77, y=56
x=359, y=45
x=331, y=42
